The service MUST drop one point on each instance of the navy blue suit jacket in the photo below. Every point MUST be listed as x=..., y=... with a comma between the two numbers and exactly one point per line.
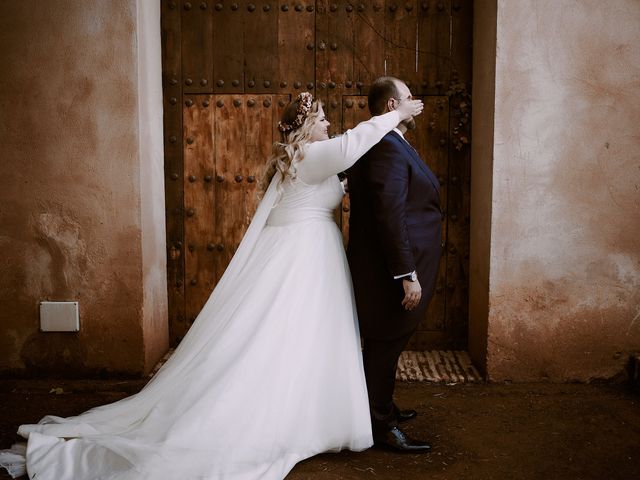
x=394, y=228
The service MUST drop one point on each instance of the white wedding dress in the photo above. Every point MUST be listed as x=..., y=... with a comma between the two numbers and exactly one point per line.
x=271, y=371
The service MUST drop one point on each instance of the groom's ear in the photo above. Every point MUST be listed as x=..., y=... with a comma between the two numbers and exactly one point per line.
x=390, y=104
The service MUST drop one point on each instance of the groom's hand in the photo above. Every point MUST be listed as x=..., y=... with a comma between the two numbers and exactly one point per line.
x=412, y=294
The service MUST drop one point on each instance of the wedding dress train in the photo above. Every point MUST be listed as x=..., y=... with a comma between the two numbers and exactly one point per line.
x=270, y=372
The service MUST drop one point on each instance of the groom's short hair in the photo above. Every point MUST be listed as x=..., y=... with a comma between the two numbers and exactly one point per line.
x=382, y=89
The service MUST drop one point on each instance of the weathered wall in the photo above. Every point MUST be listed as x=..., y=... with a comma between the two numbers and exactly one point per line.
x=73, y=190
x=565, y=255
x=152, y=208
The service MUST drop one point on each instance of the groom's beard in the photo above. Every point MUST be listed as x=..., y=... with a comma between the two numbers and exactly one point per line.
x=409, y=124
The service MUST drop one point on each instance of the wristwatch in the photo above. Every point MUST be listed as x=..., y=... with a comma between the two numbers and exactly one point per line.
x=413, y=277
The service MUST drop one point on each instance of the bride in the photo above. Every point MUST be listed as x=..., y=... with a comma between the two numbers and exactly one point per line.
x=271, y=371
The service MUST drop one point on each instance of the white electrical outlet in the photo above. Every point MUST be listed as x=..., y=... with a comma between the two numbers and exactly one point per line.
x=59, y=317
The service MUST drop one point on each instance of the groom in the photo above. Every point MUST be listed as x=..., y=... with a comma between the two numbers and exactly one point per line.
x=394, y=253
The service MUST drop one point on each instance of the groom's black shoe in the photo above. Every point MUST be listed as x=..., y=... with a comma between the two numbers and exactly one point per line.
x=399, y=441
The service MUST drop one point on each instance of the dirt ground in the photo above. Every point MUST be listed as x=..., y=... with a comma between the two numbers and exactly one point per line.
x=478, y=432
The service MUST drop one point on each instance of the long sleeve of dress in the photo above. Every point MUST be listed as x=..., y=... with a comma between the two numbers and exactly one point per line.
x=325, y=158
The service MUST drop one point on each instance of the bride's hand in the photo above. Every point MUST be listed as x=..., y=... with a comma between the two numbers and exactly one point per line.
x=409, y=108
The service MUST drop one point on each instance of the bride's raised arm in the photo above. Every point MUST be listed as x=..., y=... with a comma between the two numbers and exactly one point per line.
x=325, y=158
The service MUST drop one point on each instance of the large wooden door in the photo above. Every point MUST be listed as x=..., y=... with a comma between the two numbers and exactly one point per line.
x=229, y=67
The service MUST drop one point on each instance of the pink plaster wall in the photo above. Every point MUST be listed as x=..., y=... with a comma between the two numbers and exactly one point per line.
x=564, y=300
x=70, y=195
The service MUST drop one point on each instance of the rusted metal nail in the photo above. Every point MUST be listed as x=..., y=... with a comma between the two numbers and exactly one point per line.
x=333, y=7
x=348, y=84
x=266, y=103
x=203, y=5
x=266, y=7
x=218, y=6
x=207, y=178
x=192, y=178
x=251, y=179
x=310, y=85
x=205, y=103
x=211, y=246
x=238, y=178
x=235, y=83
x=349, y=8
x=220, y=103
x=220, y=83
x=349, y=103
x=173, y=100
x=173, y=81
x=251, y=102
x=189, y=102
x=192, y=247
x=237, y=102
x=194, y=281
x=284, y=8
x=299, y=7
x=251, y=7
x=190, y=212
x=332, y=84
x=359, y=84
x=188, y=81
x=251, y=83
x=362, y=104
x=283, y=84
x=393, y=8
x=173, y=139
x=190, y=140
x=234, y=7
x=297, y=85
x=187, y=6
x=266, y=84
x=219, y=178
x=174, y=176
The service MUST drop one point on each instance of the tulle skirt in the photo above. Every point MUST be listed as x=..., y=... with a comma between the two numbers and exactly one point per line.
x=269, y=374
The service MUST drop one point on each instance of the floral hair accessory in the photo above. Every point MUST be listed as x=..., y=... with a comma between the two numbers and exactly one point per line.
x=305, y=99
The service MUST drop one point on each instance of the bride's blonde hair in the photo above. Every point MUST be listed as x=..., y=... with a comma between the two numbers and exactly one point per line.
x=289, y=150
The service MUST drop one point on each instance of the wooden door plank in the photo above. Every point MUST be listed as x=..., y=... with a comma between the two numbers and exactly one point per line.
x=229, y=147
x=369, y=43
x=259, y=139
x=335, y=46
x=401, y=54
x=261, y=46
x=199, y=203
x=197, y=47
x=434, y=43
x=228, y=49
x=296, y=47
x=173, y=164
x=459, y=171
